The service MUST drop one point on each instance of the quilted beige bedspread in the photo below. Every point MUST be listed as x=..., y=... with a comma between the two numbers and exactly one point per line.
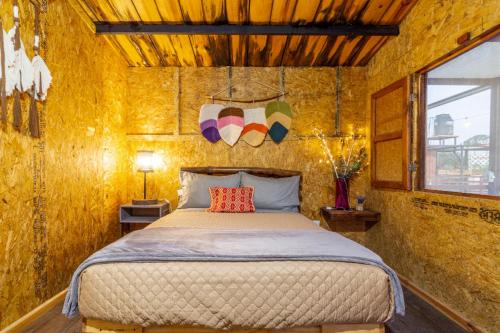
x=247, y=294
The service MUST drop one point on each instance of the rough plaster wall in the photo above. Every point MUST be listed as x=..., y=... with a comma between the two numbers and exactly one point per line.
x=83, y=174
x=311, y=95
x=455, y=258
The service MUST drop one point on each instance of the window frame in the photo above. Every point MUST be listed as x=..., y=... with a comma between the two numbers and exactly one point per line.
x=422, y=110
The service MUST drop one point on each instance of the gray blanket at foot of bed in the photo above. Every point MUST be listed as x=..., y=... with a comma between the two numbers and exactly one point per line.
x=188, y=244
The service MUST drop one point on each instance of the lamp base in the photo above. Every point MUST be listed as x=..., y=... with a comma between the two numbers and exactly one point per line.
x=144, y=202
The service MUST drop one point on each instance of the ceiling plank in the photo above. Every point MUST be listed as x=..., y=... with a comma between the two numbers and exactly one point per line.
x=124, y=10
x=328, y=10
x=305, y=12
x=219, y=49
x=282, y=11
x=294, y=48
x=257, y=50
x=321, y=57
x=373, y=51
x=312, y=50
x=237, y=12
x=374, y=11
x=239, y=45
x=201, y=49
x=167, y=50
x=366, y=50
x=260, y=12
x=407, y=5
x=192, y=11
x=214, y=12
x=334, y=54
x=347, y=50
x=145, y=45
x=131, y=50
x=354, y=8
x=258, y=46
x=275, y=50
x=147, y=10
x=144, y=48
x=184, y=50
x=170, y=11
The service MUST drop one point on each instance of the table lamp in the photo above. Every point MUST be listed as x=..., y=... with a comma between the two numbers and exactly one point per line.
x=145, y=162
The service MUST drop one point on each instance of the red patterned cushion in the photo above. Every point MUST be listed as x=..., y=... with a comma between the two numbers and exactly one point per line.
x=231, y=200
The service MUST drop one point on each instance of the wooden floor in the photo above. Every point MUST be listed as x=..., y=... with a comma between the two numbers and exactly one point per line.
x=420, y=318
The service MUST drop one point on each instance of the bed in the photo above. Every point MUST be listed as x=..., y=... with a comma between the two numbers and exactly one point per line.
x=241, y=294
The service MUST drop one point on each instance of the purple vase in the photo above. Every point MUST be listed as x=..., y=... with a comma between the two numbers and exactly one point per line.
x=341, y=193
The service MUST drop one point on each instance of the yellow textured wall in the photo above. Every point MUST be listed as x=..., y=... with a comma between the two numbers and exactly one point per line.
x=311, y=96
x=83, y=150
x=455, y=258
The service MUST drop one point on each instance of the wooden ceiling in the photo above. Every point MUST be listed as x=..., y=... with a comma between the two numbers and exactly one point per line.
x=248, y=50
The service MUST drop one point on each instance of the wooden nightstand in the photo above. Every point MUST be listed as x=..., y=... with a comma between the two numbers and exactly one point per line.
x=141, y=214
x=350, y=220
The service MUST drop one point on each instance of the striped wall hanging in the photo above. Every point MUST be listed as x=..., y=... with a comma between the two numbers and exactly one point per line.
x=279, y=120
x=230, y=124
x=209, y=114
x=252, y=125
x=255, y=130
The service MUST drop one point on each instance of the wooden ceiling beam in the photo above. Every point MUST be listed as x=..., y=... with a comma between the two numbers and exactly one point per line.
x=136, y=28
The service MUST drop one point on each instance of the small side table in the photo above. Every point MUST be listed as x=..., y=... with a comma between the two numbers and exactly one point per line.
x=349, y=220
x=141, y=214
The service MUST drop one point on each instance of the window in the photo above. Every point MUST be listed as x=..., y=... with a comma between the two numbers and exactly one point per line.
x=461, y=150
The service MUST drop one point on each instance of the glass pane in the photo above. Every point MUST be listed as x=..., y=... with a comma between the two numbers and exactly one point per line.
x=463, y=123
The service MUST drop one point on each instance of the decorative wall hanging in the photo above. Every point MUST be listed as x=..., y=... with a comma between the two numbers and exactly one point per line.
x=7, y=60
x=230, y=124
x=22, y=67
x=42, y=76
x=255, y=130
x=209, y=113
x=251, y=124
x=279, y=120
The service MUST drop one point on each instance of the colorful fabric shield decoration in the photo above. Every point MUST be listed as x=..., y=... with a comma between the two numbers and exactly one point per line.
x=255, y=129
x=230, y=124
x=209, y=114
x=279, y=120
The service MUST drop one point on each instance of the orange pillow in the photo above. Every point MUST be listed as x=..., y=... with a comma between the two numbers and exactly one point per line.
x=231, y=200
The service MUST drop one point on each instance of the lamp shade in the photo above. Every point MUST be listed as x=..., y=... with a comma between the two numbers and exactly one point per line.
x=145, y=160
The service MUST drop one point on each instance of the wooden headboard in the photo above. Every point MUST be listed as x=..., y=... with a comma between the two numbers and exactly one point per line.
x=261, y=172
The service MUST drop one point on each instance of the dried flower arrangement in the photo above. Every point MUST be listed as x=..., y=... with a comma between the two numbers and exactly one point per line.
x=351, y=159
